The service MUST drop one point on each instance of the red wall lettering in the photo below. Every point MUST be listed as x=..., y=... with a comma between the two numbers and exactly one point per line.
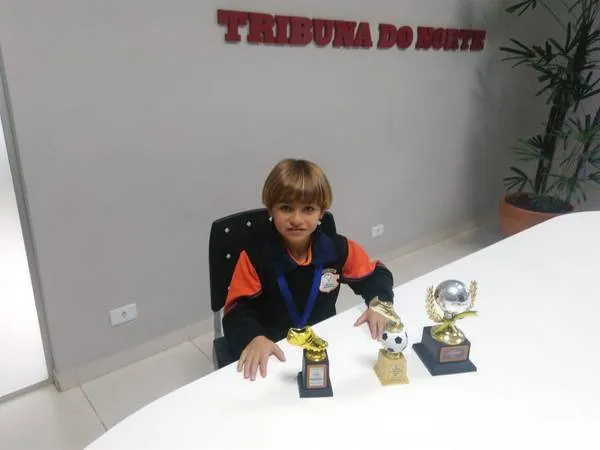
x=282, y=26
x=405, y=37
x=301, y=31
x=233, y=20
x=477, y=40
x=344, y=34
x=261, y=28
x=363, y=36
x=439, y=38
x=323, y=32
x=465, y=35
x=424, y=38
x=267, y=29
x=389, y=35
x=451, y=39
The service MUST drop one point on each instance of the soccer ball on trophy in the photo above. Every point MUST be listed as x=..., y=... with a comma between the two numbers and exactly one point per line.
x=394, y=341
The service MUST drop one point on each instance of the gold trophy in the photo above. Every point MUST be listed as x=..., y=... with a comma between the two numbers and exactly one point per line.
x=444, y=349
x=391, y=363
x=313, y=380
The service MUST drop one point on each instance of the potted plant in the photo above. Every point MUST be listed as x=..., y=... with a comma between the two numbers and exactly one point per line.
x=566, y=154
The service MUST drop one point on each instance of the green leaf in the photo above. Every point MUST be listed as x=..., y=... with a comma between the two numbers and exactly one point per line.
x=516, y=52
x=530, y=149
x=575, y=5
x=594, y=156
x=569, y=186
x=553, y=186
x=557, y=45
x=544, y=89
x=570, y=160
x=513, y=184
x=524, y=49
x=518, y=182
x=568, y=42
x=594, y=177
x=522, y=6
x=540, y=52
x=590, y=94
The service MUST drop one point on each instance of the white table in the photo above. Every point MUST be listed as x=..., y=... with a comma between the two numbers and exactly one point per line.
x=535, y=343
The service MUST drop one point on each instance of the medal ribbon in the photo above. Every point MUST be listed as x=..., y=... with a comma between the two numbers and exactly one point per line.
x=300, y=322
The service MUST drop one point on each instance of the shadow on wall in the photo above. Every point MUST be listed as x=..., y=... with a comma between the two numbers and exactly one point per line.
x=505, y=107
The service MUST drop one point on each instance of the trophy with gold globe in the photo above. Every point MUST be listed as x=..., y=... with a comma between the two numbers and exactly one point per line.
x=444, y=349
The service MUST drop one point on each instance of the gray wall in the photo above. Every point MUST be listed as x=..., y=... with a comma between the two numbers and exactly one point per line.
x=138, y=125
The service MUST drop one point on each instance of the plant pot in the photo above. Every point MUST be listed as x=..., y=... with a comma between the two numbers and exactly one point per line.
x=514, y=219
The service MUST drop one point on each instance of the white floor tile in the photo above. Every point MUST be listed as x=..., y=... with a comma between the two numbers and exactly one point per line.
x=432, y=257
x=204, y=344
x=399, y=272
x=121, y=393
x=49, y=420
x=346, y=299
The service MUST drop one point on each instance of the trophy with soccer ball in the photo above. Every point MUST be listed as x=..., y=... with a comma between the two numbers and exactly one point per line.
x=313, y=380
x=444, y=349
x=391, y=363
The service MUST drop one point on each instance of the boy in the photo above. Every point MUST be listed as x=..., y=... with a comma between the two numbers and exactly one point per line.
x=292, y=279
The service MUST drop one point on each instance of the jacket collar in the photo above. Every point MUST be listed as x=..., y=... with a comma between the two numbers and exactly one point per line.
x=322, y=246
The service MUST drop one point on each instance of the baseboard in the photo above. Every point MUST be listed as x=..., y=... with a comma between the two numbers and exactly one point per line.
x=65, y=380
x=28, y=389
x=74, y=377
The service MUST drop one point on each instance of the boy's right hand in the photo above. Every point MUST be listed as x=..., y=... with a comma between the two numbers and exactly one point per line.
x=256, y=354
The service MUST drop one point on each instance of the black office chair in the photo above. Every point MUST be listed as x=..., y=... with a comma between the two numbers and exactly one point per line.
x=228, y=237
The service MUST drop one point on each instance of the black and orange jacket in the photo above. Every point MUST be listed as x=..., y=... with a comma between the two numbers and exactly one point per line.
x=255, y=306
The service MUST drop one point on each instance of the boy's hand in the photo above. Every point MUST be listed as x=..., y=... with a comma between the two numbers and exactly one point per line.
x=375, y=320
x=256, y=354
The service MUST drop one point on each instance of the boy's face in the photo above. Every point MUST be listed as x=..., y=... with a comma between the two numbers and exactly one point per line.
x=296, y=221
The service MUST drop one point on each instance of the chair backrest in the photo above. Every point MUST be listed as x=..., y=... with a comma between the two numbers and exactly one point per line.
x=229, y=236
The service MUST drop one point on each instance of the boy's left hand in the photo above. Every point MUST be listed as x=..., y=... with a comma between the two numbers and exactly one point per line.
x=375, y=320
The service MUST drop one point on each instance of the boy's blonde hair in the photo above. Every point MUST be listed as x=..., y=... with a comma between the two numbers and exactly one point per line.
x=297, y=180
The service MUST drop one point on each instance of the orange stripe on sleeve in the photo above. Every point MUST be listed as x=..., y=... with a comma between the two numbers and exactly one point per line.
x=244, y=282
x=358, y=264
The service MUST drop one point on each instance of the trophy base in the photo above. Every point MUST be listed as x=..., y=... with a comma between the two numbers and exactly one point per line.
x=312, y=392
x=391, y=370
x=314, y=379
x=443, y=359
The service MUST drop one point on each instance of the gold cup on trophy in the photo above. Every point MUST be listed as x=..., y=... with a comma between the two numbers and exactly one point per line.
x=313, y=380
x=444, y=348
x=391, y=362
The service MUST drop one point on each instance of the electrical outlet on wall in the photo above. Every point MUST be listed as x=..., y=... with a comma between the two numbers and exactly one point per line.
x=123, y=314
x=377, y=230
